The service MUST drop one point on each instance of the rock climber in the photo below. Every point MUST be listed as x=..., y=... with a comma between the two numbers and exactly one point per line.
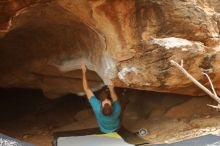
x=107, y=111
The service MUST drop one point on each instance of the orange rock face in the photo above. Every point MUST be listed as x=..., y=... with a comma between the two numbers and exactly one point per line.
x=128, y=43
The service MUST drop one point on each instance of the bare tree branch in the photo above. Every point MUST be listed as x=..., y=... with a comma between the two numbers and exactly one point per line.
x=181, y=63
x=214, y=106
x=210, y=82
x=213, y=95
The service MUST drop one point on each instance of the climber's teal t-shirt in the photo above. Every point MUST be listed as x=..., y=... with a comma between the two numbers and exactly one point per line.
x=106, y=123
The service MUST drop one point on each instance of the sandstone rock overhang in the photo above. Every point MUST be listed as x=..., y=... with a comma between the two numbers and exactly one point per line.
x=127, y=43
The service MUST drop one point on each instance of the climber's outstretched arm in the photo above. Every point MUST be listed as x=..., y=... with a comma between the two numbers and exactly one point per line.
x=86, y=88
x=112, y=92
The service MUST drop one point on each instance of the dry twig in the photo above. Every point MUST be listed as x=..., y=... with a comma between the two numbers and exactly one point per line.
x=213, y=95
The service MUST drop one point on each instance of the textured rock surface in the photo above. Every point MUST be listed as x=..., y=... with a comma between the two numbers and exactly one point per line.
x=126, y=42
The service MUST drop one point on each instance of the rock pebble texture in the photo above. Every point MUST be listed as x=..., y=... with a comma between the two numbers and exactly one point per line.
x=128, y=43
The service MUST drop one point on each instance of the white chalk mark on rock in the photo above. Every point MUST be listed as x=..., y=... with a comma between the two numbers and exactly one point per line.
x=171, y=42
x=126, y=70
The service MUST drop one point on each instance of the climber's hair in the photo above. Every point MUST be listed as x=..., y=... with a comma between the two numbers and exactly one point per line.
x=104, y=93
x=107, y=110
